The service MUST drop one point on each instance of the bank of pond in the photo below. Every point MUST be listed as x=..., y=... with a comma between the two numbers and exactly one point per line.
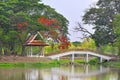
x=54, y=63
x=60, y=70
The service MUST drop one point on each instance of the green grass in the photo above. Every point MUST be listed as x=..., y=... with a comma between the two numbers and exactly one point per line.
x=54, y=63
x=30, y=64
x=94, y=61
x=79, y=61
x=114, y=64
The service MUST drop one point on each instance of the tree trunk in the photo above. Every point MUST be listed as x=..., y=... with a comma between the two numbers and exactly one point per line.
x=1, y=48
x=23, y=50
x=119, y=51
x=6, y=52
x=98, y=49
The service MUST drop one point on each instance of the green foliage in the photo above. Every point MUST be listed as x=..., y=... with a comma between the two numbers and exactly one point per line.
x=76, y=44
x=49, y=49
x=94, y=61
x=116, y=24
x=116, y=28
x=101, y=16
x=114, y=64
x=72, y=46
x=14, y=12
x=109, y=49
x=88, y=43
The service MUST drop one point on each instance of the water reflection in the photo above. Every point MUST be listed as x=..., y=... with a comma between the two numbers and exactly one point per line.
x=32, y=75
x=83, y=72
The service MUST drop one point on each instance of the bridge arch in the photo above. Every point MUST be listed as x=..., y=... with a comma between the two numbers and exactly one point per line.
x=86, y=53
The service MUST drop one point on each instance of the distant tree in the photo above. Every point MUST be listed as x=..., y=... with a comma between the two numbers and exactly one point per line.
x=101, y=16
x=116, y=27
x=8, y=34
x=76, y=43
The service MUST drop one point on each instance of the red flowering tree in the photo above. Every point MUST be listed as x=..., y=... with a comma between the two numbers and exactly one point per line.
x=55, y=31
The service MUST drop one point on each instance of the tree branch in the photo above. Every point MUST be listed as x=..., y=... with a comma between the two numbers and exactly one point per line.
x=83, y=30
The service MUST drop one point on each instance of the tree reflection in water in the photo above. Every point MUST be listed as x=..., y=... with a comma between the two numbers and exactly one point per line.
x=81, y=72
x=119, y=74
x=32, y=75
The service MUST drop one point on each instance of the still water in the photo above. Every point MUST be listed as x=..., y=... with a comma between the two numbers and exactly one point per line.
x=71, y=72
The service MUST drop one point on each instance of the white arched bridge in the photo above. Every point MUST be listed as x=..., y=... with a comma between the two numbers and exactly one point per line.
x=86, y=53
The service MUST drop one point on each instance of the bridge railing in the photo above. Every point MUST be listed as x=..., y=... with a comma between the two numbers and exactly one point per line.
x=87, y=53
x=88, y=50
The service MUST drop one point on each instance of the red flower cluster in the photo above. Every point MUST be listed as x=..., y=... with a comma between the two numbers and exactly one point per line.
x=45, y=21
x=21, y=25
x=57, y=26
x=52, y=32
x=52, y=23
x=64, y=42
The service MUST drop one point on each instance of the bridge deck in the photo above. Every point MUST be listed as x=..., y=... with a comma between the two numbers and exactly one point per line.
x=101, y=56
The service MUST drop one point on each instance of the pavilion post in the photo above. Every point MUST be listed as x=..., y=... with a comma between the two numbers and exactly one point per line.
x=31, y=51
x=41, y=53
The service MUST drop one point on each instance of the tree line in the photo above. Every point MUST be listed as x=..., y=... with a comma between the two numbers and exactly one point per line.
x=21, y=18
x=104, y=16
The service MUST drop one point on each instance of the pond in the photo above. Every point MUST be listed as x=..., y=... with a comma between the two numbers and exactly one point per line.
x=71, y=72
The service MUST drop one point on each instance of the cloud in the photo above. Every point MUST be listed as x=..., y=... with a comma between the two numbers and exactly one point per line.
x=95, y=0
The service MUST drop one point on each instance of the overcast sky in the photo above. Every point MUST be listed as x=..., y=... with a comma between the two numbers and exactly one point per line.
x=73, y=11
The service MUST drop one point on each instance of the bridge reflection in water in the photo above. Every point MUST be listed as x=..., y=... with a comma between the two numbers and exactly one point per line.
x=72, y=74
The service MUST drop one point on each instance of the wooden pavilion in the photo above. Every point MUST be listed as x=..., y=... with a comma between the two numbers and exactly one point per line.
x=31, y=42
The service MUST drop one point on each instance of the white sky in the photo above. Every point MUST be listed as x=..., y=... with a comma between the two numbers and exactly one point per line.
x=73, y=11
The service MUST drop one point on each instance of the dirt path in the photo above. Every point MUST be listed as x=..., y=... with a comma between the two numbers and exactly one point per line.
x=23, y=59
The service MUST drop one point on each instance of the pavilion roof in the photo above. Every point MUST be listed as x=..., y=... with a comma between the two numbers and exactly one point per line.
x=32, y=42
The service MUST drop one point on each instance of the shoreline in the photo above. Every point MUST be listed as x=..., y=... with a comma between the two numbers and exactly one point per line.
x=14, y=59
x=23, y=61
